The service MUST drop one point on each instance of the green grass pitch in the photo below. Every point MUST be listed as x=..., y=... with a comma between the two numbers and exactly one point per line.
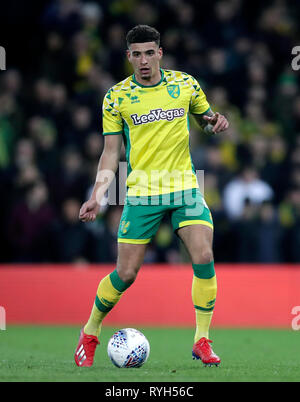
x=45, y=353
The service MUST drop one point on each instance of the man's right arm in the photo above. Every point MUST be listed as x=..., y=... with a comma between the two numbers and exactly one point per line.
x=211, y=122
x=107, y=167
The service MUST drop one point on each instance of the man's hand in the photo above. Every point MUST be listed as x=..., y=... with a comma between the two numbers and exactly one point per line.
x=218, y=121
x=89, y=210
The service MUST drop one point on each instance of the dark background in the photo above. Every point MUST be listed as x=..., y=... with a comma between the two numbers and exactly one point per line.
x=62, y=56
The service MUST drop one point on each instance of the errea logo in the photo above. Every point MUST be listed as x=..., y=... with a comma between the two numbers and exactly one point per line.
x=156, y=115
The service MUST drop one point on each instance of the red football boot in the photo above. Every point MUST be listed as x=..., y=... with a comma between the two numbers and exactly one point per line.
x=85, y=351
x=203, y=351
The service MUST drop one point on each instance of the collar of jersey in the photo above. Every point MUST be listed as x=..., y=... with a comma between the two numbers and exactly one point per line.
x=149, y=86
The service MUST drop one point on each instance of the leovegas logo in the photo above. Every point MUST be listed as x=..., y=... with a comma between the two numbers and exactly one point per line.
x=156, y=115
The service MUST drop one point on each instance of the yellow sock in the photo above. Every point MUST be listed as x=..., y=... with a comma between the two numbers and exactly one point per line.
x=202, y=324
x=109, y=292
x=204, y=291
x=93, y=326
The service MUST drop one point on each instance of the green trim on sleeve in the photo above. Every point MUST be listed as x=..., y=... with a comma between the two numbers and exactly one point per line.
x=113, y=133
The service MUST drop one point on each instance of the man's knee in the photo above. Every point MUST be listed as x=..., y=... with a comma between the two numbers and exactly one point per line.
x=127, y=274
x=204, y=256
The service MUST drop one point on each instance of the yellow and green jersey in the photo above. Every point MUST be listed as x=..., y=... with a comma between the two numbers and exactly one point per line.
x=154, y=123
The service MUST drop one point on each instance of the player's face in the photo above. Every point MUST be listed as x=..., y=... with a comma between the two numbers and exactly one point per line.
x=145, y=59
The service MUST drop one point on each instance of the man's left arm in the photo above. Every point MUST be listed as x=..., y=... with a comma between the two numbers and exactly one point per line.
x=212, y=123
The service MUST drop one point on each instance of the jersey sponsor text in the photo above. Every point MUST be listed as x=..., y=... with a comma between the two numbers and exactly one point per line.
x=156, y=115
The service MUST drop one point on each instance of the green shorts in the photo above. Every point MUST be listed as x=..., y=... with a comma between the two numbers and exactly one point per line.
x=142, y=216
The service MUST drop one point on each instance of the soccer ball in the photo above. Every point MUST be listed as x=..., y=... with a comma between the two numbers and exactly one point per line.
x=128, y=347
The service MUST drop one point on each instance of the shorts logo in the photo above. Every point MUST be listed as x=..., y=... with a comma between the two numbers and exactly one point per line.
x=156, y=115
x=173, y=91
x=124, y=226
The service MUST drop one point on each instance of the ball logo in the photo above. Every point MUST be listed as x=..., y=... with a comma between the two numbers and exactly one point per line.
x=156, y=115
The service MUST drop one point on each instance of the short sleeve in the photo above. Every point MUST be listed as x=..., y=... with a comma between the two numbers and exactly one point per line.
x=198, y=102
x=112, y=120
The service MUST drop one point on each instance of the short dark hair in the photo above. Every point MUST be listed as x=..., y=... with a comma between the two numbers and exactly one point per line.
x=141, y=34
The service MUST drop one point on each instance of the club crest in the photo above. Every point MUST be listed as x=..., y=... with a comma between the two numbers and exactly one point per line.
x=173, y=91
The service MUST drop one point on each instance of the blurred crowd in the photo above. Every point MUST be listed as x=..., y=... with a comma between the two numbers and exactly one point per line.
x=50, y=127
